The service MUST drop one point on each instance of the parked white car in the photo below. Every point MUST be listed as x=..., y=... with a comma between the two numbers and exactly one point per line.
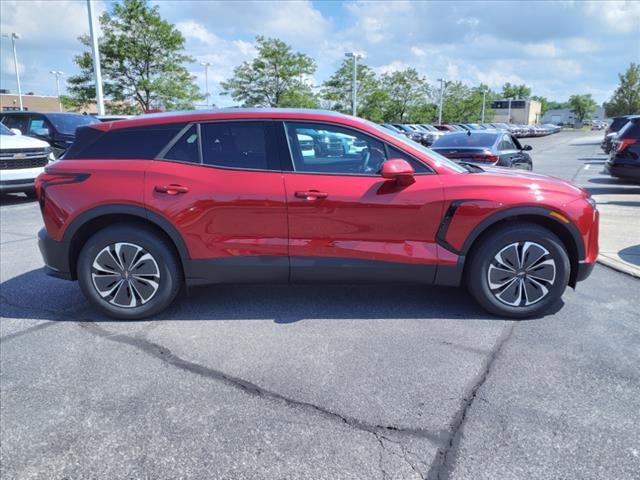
x=22, y=159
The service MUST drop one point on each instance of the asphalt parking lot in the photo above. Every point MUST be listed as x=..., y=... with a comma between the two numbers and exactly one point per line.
x=322, y=382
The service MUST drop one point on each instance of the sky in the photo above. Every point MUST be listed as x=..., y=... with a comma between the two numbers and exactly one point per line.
x=557, y=48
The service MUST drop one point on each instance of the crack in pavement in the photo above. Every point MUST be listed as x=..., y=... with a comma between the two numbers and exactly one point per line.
x=404, y=456
x=445, y=458
x=165, y=355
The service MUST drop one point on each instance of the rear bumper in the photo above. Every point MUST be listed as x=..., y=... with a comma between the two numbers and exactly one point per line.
x=622, y=170
x=55, y=256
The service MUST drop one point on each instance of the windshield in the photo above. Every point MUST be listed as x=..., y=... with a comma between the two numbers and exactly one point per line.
x=67, y=123
x=436, y=157
x=4, y=130
x=465, y=140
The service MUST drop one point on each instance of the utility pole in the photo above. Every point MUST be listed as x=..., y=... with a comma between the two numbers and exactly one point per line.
x=58, y=74
x=441, y=80
x=354, y=83
x=96, y=58
x=509, y=114
x=484, y=99
x=14, y=37
x=206, y=66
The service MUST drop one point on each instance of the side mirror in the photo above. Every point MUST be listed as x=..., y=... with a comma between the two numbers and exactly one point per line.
x=16, y=131
x=399, y=170
x=527, y=148
x=42, y=132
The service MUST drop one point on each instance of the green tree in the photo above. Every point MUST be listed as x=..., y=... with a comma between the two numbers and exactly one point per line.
x=582, y=106
x=464, y=104
x=141, y=57
x=337, y=90
x=275, y=78
x=516, y=91
x=404, y=90
x=626, y=98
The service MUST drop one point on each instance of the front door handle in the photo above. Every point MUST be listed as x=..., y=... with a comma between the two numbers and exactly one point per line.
x=171, y=189
x=311, y=194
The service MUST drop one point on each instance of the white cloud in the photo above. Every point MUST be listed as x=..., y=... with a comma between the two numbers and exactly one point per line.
x=542, y=49
x=619, y=15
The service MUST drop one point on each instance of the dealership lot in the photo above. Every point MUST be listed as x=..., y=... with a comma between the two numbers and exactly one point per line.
x=322, y=381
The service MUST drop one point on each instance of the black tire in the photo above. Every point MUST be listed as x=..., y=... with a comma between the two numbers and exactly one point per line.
x=162, y=260
x=533, y=240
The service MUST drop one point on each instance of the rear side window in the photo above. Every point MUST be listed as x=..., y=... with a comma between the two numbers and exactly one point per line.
x=244, y=145
x=128, y=143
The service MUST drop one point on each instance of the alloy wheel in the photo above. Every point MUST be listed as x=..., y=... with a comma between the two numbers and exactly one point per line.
x=125, y=275
x=521, y=274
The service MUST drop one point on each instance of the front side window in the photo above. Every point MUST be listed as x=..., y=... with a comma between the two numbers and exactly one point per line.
x=330, y=149
x=186, y=148
x=242, y=145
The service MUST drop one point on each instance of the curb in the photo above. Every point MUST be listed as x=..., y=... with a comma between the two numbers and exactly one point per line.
x=619, y=265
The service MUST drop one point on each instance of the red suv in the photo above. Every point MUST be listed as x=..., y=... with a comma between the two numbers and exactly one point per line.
x=139, y=207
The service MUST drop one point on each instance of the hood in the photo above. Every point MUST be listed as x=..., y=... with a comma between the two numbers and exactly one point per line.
x=20, y=141
x=534, y=181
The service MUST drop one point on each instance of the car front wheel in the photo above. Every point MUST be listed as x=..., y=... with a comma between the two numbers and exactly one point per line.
x=518, y=271
x=128, y=272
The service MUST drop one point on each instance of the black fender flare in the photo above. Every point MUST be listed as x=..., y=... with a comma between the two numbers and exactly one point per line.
x=524, y=211
x=132, y=210
x=496, y=217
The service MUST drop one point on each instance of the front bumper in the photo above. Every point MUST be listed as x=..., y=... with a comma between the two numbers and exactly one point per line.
x=55, y=255
x=584, y=270
x=13, y=186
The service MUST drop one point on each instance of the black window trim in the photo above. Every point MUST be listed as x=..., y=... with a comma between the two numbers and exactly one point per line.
x=384, y=143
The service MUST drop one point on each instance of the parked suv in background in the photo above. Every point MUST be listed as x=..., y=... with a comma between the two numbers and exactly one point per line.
x=22, y=159
x=139, y=207
x=612, y=130
x=57, y=129
x=624, y=159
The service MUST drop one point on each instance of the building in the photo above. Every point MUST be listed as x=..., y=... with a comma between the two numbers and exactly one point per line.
x=564, y=116
x=37, y=103
x=524, y=112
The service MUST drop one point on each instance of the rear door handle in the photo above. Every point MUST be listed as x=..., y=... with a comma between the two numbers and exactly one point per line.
x=171, y=189
x=311, y=194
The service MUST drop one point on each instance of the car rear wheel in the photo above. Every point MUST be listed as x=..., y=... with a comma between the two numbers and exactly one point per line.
x=518, y=271
x=128, y=272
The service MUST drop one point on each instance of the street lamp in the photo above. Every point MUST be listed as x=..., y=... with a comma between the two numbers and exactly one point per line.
x=484, y=100
x=355, y=57
x=441, y=80
x=93, y=32
x=14, y=36
x=58, y=74
x=206, y=66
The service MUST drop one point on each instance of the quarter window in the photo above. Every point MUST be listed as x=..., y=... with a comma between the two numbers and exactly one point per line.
x=243, y=145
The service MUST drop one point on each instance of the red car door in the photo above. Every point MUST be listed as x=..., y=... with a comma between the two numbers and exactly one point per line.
x=220, y=185
x=347, y=222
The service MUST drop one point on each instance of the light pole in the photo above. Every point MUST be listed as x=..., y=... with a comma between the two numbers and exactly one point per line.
x=206, y=66
x=354, y=82
x=484, y=99
x=441, y=80
x=509, y=114
x=14, y=36
x=58, y=74
x=96, y=59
